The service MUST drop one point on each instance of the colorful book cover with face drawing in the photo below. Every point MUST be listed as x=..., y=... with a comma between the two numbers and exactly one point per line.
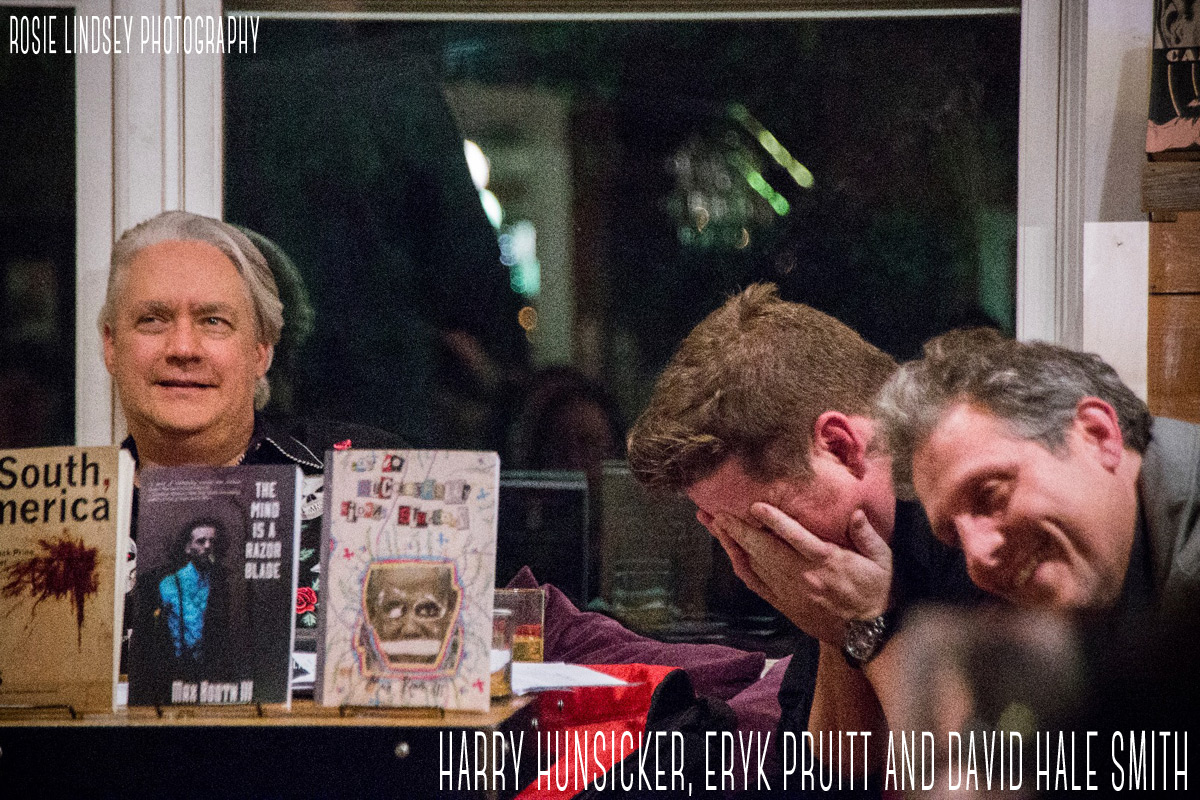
x=64, y=521
x=408, y=566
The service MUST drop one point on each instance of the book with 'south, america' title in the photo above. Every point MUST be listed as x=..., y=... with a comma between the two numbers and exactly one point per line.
x=64, y=522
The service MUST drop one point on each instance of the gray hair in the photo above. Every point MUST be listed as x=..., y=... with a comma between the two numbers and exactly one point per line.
x=184, y=226
x=1035, y=387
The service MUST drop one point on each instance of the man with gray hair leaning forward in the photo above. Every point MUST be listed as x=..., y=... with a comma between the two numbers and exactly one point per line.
x=1049, y=474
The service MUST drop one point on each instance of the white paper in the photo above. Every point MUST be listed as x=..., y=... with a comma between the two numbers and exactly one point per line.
x=536, y=677
x=304, y=670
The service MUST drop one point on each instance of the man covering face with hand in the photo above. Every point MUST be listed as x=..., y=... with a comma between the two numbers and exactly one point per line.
x=763, y=419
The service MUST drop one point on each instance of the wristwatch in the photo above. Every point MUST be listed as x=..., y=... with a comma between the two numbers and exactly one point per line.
x=865, y=638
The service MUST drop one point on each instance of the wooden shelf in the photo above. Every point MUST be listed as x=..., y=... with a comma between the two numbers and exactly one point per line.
x=303, y=712
x=1171, y=186
x=193, y=752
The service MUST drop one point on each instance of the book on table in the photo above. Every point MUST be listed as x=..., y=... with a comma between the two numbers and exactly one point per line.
x=64, y=524
x=215, y=595
x=408, y=565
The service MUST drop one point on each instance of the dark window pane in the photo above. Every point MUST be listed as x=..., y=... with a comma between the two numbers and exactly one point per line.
x=37, y=243
x=644, y=170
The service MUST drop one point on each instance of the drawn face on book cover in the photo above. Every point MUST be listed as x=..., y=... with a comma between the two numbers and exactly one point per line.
x=411, y=609
x=183, y=347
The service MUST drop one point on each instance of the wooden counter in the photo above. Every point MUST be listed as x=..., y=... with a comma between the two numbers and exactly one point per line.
x=232, y=751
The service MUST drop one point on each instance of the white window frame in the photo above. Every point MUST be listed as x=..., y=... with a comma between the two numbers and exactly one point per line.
x=148, y=139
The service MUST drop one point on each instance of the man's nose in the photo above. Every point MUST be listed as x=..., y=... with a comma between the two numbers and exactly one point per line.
x=981, y=542
x=183, y=341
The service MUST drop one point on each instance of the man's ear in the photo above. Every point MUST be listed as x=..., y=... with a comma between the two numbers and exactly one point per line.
x=266, y=354
x=833, y=434
x=109, y=350
x=1097, y=424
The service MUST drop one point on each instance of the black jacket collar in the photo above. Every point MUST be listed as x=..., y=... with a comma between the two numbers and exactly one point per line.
x=283, y=440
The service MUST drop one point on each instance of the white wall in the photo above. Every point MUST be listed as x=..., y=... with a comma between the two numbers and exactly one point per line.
x=1118, y=91
x=1115, y=230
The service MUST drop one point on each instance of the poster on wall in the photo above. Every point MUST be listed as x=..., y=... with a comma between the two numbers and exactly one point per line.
x=1173, y=130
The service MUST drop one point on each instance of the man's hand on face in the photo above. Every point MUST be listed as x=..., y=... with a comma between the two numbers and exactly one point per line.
x=818, y=585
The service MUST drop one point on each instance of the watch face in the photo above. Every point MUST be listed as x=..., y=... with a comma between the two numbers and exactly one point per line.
x=860, y=644
x=862, y=637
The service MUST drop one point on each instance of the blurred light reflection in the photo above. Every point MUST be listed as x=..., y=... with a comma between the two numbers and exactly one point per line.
x=800, y=173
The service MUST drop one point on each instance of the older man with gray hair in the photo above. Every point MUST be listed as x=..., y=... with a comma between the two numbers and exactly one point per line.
x=189, y=324
x=1049, y=474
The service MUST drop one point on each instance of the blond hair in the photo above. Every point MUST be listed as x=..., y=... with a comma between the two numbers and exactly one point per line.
x=750, y=381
